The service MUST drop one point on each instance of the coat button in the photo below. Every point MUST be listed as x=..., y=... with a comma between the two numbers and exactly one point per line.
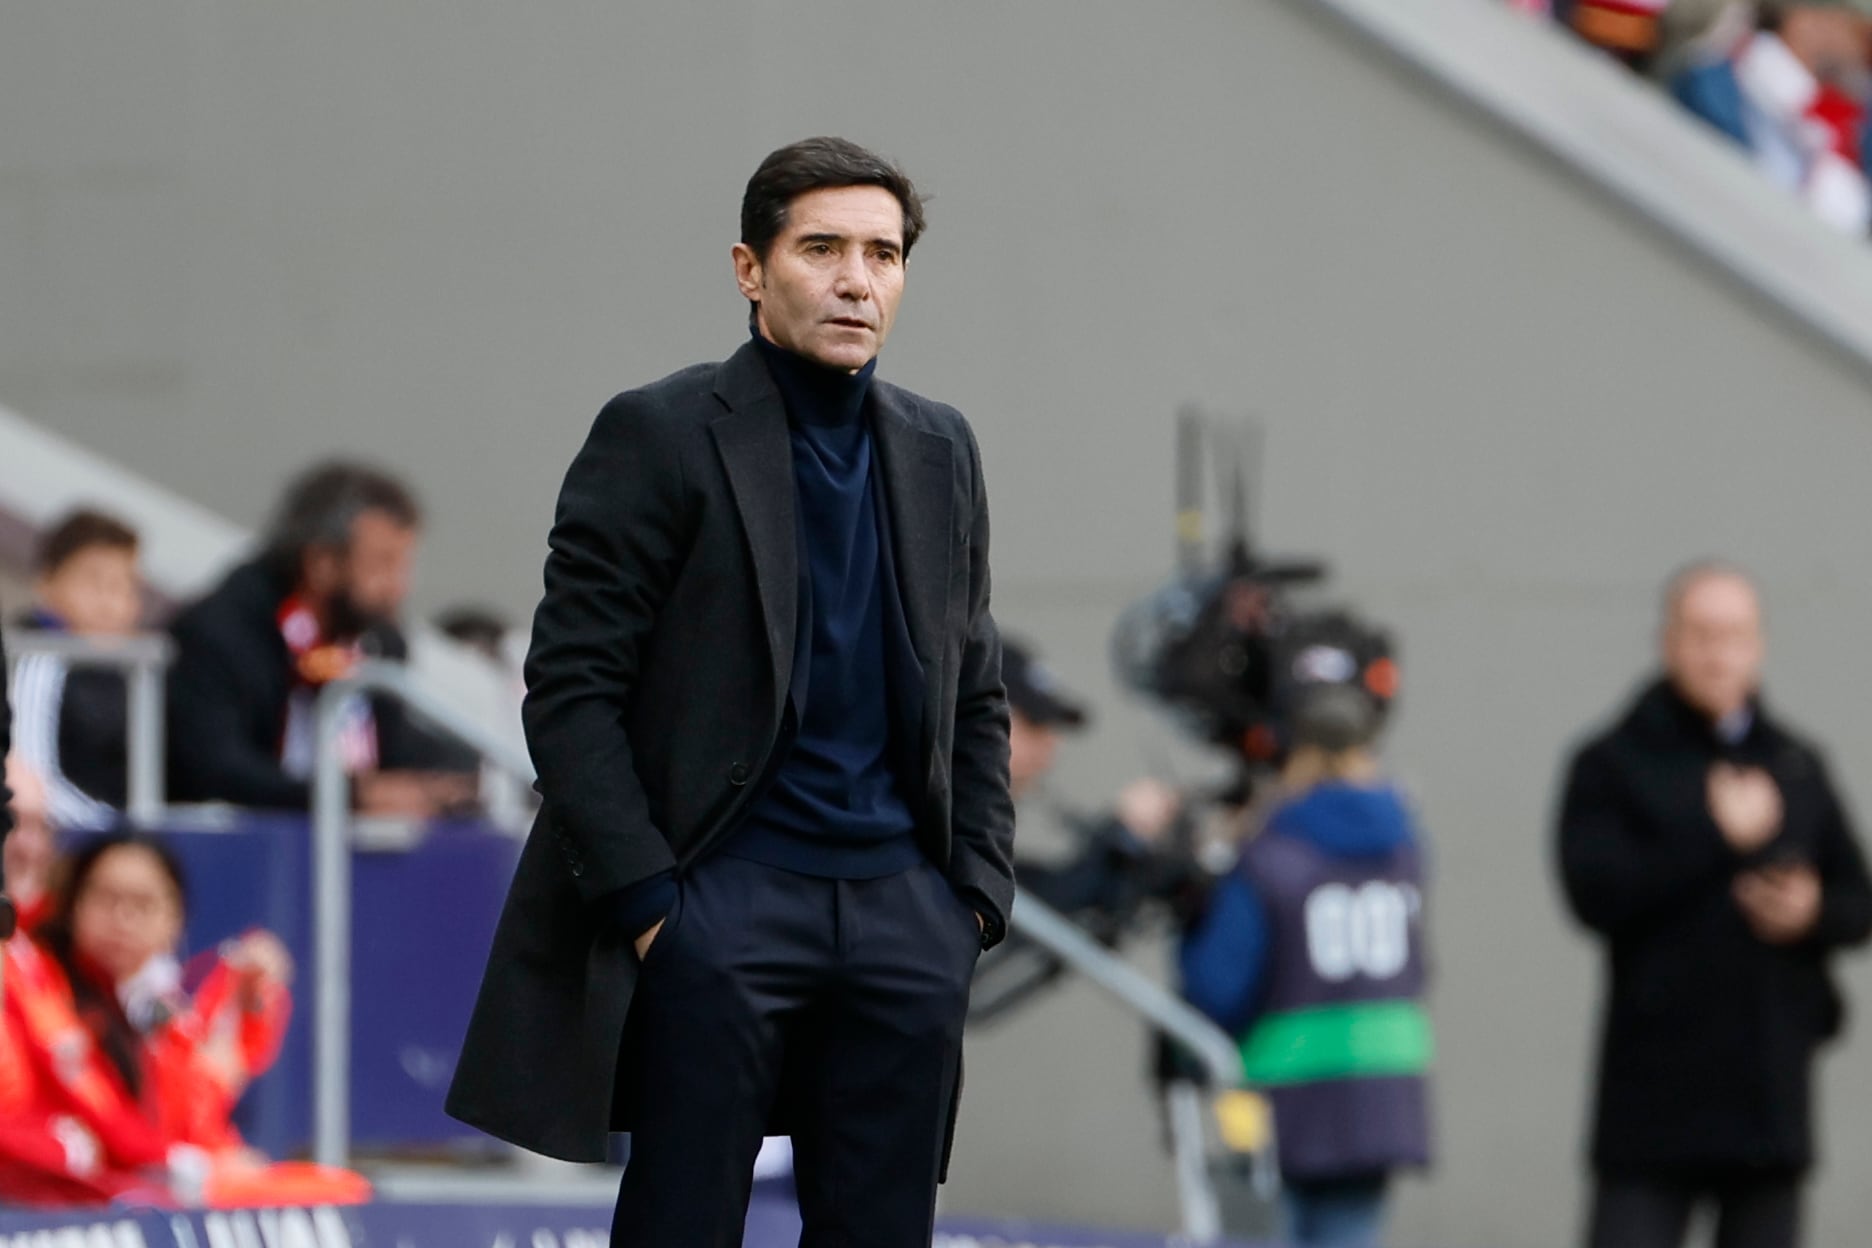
x=738, y=775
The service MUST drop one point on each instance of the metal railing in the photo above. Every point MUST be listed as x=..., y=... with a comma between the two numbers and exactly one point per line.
x=331, y=878
x=1169, y=1013
x=143, y=659
x=331, y=881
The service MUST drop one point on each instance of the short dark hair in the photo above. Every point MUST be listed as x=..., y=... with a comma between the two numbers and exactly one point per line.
x=815, y=165
x=79, y=531
x=321, y=503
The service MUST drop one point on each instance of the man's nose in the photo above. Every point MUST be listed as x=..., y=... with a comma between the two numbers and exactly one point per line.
x=853, y=280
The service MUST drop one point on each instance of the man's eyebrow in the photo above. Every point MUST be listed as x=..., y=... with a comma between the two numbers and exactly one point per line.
x=895, y=244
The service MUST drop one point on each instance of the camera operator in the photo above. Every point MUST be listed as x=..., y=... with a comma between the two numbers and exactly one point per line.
x=1311, y=951
x=1142, y=816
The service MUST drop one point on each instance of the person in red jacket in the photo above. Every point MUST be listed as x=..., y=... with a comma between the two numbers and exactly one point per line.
x=119, y=1056
x=69, y=1133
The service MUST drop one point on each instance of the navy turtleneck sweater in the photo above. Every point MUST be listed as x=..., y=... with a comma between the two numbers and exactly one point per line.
x=831, y=805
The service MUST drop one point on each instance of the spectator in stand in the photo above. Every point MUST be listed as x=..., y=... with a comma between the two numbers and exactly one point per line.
x=70, y=721
x=1789, y=83
x=252, y=656
x=1628, y=30
x=133, y=1074
x=489, y=634
x=482, y=629
x=1704, y=843
x=30, y=851
x=48, y=1156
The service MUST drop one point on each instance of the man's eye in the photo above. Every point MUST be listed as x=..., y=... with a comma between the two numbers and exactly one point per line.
x=885, y=255
x=820, y=249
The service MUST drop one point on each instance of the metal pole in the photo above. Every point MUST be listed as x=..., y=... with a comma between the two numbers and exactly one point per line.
x=1206, y=1041
x=331, y=930
x=144, y=785
x=1202, y=1214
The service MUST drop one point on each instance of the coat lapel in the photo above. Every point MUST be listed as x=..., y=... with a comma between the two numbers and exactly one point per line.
x=751, y=437
x=919, y=485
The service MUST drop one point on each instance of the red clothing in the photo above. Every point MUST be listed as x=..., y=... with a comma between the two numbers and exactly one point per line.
x=198, y=1063
x=71, y=1132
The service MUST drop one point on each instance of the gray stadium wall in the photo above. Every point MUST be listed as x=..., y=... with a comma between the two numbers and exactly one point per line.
x=236, y=236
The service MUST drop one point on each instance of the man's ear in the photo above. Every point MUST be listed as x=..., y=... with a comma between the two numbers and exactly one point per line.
x=747, y=272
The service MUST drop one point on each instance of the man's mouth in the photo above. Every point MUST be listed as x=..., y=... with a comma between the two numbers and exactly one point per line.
x=850, y=322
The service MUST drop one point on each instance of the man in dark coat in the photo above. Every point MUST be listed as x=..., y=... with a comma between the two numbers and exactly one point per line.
x=1704, y=842
x=765, y=703
x=252, y=655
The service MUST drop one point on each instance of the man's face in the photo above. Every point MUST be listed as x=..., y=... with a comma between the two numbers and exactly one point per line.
x=1031, y=748
x=829, y=285
x=96, y=592
x=1713, y=644
x=366, y=583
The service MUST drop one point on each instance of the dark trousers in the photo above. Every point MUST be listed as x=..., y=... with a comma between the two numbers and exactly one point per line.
x=840, y=1000
x=1752, y=1210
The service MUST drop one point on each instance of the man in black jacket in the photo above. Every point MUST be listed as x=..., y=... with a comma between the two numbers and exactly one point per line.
x=1705, y=843
x=253, y=654
x=765, y=702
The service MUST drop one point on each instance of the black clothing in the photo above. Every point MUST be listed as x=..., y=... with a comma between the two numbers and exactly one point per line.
x=1752, y=1210
x=844, y=1000
x=72, y=726
x=1709, y=1031
x=232, y=685
x=657, y=687
x=833, y=804
x=94, y=734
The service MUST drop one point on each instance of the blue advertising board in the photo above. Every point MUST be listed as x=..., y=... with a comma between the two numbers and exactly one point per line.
x=395, y=1225
x=423, y=917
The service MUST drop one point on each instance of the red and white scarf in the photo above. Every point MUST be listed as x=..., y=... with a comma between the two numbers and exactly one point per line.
x=316, y=663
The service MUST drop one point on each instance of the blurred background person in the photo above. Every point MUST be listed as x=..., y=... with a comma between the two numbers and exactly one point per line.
x=49, y=1157
x=1627, y=30
x=1042, y=711
x=114, y=930
x=31, y=850
x=1703, y=841
x=1312, y=951
x=1789, y=83
x=145, y=1057
x=481, y=629
x=71, y=721
x=252, y=656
